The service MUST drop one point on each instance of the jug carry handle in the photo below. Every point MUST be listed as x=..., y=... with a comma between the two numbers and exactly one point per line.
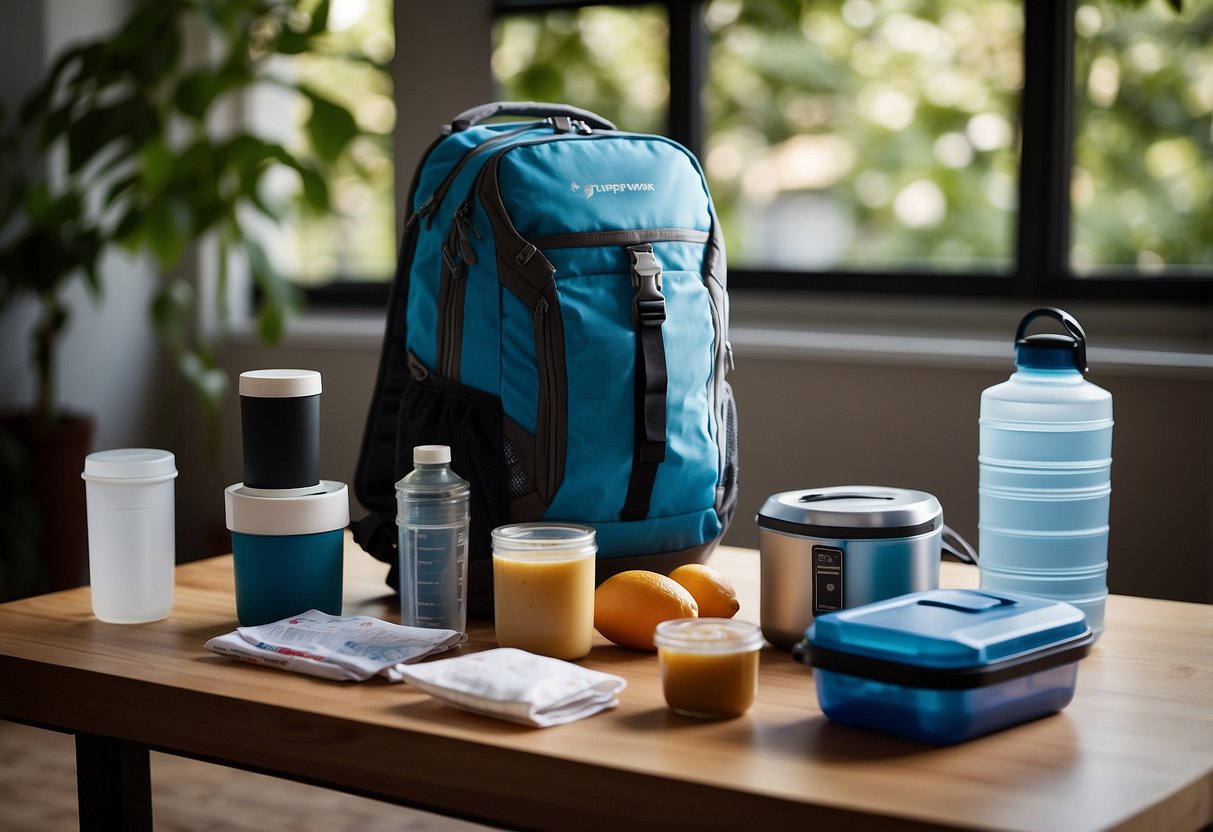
x=1065, y=319
x=475, y=115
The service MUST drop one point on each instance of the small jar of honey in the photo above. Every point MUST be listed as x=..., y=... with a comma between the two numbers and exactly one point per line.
x=709, y=666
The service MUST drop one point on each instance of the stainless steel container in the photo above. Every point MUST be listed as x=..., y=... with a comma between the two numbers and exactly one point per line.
x=825, y=549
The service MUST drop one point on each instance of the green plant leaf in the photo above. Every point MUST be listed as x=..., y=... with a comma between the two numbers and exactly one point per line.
x=292, y=43
x=155, y=163
x=278, y=296
x=170, y=310
x=166, y=229
x=320, y=18
x=37, y=203
x=315, y=189
x=196, y=92
x=330, y=126
x=37, y=103
x=125, y=124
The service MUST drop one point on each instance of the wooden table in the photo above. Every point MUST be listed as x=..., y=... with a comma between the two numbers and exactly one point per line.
x=1134, y=750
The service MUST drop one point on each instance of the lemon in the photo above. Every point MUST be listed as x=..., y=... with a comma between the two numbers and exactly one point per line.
x=711, y=590
x=629, y=606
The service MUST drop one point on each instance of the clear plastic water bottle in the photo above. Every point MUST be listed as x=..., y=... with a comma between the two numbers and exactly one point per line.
x=1045, y=473
x=432, y=534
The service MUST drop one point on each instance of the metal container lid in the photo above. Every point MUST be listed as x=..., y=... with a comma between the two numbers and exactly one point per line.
x=851, y=512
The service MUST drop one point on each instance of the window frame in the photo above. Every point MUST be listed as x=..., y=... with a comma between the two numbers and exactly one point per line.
x=1041, y=256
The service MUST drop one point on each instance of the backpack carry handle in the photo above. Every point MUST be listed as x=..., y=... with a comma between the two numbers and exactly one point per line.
x=472, y=117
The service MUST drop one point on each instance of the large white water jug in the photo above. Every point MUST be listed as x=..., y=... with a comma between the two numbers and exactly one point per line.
x=1045, y=466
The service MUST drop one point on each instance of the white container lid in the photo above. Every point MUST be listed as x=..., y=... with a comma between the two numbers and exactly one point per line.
x=130, y=464
x=431, y=454
x=279, y=384
x=320, y=511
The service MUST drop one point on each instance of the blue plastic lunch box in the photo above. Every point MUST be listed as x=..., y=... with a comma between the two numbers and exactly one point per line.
x=947, y=665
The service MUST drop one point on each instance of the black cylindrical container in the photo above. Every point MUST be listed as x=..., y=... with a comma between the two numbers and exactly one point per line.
x=280, y=427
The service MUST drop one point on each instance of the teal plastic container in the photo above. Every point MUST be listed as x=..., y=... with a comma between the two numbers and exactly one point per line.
x=947, y=665
x=278, y=576
x=287, y=551
x=1045, y=473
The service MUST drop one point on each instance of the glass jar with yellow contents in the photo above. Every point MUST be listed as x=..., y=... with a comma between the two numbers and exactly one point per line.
x=709, y=666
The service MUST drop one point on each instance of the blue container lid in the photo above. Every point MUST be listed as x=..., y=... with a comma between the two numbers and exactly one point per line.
x=950, y=629
x=1051, y=352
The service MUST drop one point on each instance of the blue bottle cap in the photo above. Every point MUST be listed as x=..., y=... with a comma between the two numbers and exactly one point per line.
x=1051, y=352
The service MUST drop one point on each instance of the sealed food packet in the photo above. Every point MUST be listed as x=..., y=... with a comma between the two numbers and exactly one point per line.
x=345, y=648
x=519, y=686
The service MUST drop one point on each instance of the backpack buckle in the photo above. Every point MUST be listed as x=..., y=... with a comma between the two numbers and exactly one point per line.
x=646, y=271
x=649, y=303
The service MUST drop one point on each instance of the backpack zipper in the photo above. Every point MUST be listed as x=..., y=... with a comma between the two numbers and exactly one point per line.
x=457, y=255
x=631, y=237
x=456, y=249
x=427, y=208
x=550, y=454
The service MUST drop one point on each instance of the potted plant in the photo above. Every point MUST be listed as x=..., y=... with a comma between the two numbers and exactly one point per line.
x=118, y=147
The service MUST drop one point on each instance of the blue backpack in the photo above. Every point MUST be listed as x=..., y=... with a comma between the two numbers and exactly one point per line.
x=559, y=318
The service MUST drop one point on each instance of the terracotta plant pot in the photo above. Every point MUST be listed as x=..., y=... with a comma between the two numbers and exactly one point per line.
x=54, y=458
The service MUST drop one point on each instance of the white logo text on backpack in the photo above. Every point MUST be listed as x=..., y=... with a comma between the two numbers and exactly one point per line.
x=612, y=187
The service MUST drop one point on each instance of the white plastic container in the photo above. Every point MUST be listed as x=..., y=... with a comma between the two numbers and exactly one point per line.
x=1045, y=466
x=131, y=538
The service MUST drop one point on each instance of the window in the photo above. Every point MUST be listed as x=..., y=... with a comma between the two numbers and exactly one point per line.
x=969, y=146
x=355, y=243
x=358, y=242
x=1142, y=187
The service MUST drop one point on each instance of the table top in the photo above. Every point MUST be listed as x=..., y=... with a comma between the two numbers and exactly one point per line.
x=1133, y=750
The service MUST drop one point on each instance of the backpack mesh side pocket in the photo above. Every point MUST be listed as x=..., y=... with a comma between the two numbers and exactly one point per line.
x=437, y=411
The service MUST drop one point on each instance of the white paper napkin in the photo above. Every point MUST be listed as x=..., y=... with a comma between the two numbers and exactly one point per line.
x=350, y=648
x=516, y=685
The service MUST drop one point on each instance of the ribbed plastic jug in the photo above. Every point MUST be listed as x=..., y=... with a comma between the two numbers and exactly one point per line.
x=1045, y=465
x=432, y=521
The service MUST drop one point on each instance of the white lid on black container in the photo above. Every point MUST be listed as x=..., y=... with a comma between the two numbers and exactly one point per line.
x=279, y=384
x=851, y=511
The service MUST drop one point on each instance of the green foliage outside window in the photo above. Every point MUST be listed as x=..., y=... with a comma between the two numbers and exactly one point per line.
x=855, y=134
x=1142, y=189
x=357, y=240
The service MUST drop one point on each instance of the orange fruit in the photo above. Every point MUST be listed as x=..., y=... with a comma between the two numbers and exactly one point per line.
x=629, y=606
x=712, y=591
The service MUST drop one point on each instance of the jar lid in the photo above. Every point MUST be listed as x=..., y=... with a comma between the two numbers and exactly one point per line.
x=130, y=464
x=852, y=511
x=279, y=384
x=544, y=539
x=321, y=511
x=708, y=635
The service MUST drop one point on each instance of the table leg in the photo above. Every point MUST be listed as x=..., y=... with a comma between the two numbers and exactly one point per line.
x=113, y=784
